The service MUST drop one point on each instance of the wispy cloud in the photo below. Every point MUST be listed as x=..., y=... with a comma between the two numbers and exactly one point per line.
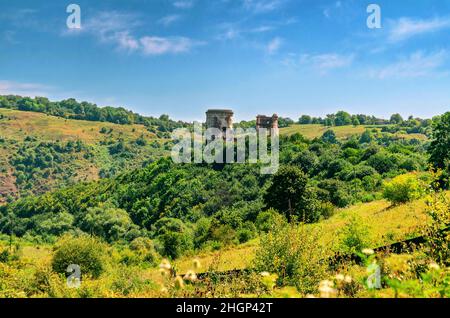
x=418, y=64
x=152, y=45
x=323, y=63
x=327, y=11
x=183, y=4
x=262, y=6
x=274, y=45
x=169, y=19
x=405, y=28
x=23, y=89
x=233, y=31
x=119, y=29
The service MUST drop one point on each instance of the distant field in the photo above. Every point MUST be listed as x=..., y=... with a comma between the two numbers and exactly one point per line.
x=20, y=124
x=342, y=132
x=313, y=131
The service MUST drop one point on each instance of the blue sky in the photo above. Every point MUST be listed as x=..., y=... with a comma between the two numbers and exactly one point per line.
x=182, y=57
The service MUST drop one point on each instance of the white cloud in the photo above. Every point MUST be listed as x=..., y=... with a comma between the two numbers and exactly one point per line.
x=183, y=4
x=262, y=6
x=405, y=28
x=327, y=62
x=126, y=41
x=169, y=19
x=23, y=89
x=152, y=45
x=119, y=29
x=416, y=65
x=274, y=45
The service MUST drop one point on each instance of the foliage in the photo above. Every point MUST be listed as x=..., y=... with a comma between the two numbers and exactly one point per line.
x=293, y=253
x=290, y=194
x=86, y=252
x=402, y=189
x=353, y=236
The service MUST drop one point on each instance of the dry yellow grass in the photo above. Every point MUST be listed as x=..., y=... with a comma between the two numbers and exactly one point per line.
x=342, y=132
x=313, y=131
x=50, y=128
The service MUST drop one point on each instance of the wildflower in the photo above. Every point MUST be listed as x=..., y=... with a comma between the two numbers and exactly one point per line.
x=165, y=265
x=269, y=280
x=197, y=263
x=368, y=251
x=310, y=296
x=434, y=266
x=179, y=284
x=340, y=277
x=347, y=279
x=326, y=289
x=190, y=276
x=164, y=290
x=163, y=272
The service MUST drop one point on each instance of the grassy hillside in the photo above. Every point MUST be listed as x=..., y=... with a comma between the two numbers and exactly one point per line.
x=18, y=125
x=39, y=152
x=385, y=225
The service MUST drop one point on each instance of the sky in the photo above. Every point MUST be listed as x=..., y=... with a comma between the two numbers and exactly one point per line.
x=182, y=57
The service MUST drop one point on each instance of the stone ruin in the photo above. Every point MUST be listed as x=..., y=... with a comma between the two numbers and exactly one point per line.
x=267, y=122
x=221, y=119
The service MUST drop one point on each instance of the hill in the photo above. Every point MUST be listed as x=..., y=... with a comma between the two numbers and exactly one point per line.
x=39, y=152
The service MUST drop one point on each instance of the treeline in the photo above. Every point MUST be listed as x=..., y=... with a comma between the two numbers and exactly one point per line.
x=72, y=109
x=342, y=118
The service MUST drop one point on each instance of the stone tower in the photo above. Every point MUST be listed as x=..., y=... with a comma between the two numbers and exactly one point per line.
x=219, y=118
x=267, y=122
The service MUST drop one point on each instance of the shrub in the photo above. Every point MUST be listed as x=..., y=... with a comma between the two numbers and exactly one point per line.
x=86, y=252
x=266, y=219
x=293, y=253
x=175, y=237
x=106, y=222
x=402, y=189
x=353, y=237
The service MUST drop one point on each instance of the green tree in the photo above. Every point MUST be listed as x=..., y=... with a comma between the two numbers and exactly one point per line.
x=305, y=120
x=175, y=237
x=108, y=223
x=329, y=137
x=343, y=119
x=440, y=145
x=290, y=194
x=396, y=119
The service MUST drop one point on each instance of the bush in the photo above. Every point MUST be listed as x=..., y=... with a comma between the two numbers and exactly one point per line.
x=353, y=237
x=266, y=219
x=402, y=189
x=293, y=253
x=86, y=252
x=175, y=237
